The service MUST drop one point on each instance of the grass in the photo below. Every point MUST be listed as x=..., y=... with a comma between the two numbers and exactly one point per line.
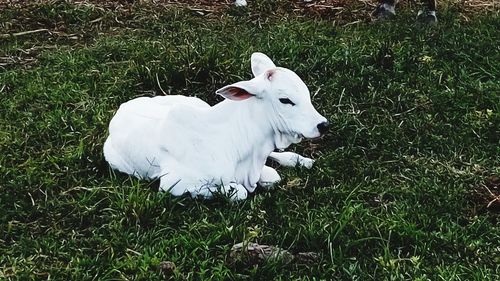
x=398, y=192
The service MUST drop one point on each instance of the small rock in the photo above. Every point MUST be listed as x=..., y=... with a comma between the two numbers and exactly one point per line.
x=167, y=268
x=240, y=3
x=253, y=253
x=307, y=257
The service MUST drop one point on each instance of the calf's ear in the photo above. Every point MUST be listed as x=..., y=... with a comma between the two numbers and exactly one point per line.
x=240, y=91
x=260, y=63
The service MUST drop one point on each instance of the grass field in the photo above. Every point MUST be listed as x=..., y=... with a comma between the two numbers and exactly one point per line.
x=403, y=188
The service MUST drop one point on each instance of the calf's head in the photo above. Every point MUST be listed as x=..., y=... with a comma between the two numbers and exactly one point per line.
x=284, y=98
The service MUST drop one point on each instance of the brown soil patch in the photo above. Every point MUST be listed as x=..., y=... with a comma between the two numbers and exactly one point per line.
x=486, y=196
x=354, y=10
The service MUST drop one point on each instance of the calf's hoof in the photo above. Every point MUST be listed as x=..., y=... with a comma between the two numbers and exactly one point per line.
x=269, y=178
x=236, y=192
x=306, y=162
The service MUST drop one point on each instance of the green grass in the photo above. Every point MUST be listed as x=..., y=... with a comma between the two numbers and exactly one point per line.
x=397, y=192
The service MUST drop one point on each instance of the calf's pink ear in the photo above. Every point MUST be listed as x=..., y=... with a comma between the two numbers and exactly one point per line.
x=239, y=91
x=234, y=93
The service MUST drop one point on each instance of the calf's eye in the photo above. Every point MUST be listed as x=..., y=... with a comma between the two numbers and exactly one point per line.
x=286, y=101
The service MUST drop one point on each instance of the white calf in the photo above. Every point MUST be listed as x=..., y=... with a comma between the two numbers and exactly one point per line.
x=195, y=148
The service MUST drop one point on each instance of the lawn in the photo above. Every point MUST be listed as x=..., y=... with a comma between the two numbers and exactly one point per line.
x=406, y=182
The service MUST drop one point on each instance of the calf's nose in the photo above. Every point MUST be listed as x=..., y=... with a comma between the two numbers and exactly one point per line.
x=323, y=127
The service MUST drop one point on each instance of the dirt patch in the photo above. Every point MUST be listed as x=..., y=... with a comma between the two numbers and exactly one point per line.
x=485, y=197
x=55, y=21
x=352, y=10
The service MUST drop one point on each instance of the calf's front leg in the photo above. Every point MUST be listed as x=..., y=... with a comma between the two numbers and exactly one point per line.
x=291, y=159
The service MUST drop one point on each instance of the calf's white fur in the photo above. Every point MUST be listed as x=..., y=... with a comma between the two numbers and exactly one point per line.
x=198, y=149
